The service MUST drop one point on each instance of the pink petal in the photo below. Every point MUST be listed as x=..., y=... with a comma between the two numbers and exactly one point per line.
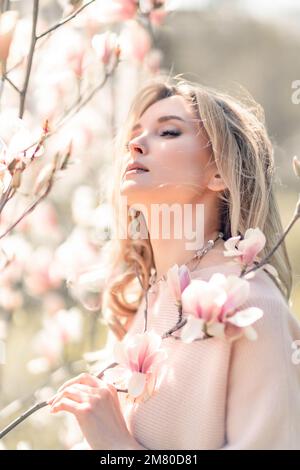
x=154, y=360
x=237, y=292
x=184, y=277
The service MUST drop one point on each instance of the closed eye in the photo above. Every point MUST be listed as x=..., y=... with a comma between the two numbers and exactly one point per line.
x=170, y=132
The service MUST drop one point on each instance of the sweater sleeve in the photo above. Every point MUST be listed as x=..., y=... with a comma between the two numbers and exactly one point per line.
x=263, y=389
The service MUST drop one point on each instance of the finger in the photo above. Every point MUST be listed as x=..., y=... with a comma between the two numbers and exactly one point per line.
x=72, y=392
x=66, y=404
x=78, y=392
x=85, y=378
x=75, y=388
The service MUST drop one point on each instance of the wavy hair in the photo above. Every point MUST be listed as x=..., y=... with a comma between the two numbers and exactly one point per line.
x=244, y=156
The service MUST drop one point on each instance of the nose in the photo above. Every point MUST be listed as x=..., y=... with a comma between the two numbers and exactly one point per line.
x=136, y=146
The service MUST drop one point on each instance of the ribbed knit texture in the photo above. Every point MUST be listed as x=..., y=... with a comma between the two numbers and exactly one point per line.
x=221, y=395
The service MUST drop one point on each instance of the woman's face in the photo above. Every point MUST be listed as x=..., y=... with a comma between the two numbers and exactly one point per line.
x=169, y=141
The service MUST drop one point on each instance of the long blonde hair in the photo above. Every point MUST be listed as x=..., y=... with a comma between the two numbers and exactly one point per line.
x=244, y=157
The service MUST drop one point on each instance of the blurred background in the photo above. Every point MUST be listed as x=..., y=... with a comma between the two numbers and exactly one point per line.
x=81, y=77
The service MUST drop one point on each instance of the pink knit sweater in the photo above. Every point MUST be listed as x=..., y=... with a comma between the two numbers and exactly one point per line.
x=221, y=395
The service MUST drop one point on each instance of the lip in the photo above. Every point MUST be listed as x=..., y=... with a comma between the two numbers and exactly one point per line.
x=134, y=171
x=136, y=166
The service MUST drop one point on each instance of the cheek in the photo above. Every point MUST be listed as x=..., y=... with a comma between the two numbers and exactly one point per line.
x=186, y=159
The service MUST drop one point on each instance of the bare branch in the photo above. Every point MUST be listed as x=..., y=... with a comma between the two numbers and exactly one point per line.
x=42, y=404
x=79, y=104
x=5, y=77
x=281, y=239
x=35, y=203
x=65, y=20
x=35, y=14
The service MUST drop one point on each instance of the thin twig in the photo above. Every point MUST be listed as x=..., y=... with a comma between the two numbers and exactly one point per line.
x=172, y=330
x=43, y=404
x=35, y=15
x=65, y=20
x=32, y=206
x=21, y=418
x=5, y=77
x=83, y=101
x=281, y=239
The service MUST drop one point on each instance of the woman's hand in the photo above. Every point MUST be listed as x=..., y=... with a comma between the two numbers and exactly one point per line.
x=96, y=406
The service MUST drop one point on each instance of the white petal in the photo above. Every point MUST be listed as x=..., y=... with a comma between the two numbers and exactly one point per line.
x=116, y=375
x=250, y=275
x=246, y=317
x=232, y=253
x=231, y=243
x=192, y=329
x=136, y=384
x=250, y=333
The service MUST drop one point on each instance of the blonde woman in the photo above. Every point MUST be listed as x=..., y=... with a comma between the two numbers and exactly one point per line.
x=195, y=147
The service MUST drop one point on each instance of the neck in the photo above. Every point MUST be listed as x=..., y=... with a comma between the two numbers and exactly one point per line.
x=169, y=248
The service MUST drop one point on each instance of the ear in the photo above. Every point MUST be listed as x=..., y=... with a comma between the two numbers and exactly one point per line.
x=216, y=183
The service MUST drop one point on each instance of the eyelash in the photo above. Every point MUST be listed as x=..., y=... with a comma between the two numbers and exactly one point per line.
x=162, y=134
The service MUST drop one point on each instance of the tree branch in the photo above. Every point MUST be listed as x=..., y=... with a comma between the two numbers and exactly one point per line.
x=35, y=15
x=40, y=405
x=5, y=77
x=296, y=216
x=79, y=104
x=65, y=20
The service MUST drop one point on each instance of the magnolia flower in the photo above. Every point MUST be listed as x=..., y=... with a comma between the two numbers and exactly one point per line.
x=64, y=327
x=153, y=60
x=115, y=10
x=158, y=16
x=178, y=278
x=247, y=249
x=140, y=362
x=17, y=142
x=8, y=22
x=88, y=287
x=135, y=41
x=213, y=308
x=105, y=46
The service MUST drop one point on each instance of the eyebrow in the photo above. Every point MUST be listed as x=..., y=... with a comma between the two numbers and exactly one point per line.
x=161, y=119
